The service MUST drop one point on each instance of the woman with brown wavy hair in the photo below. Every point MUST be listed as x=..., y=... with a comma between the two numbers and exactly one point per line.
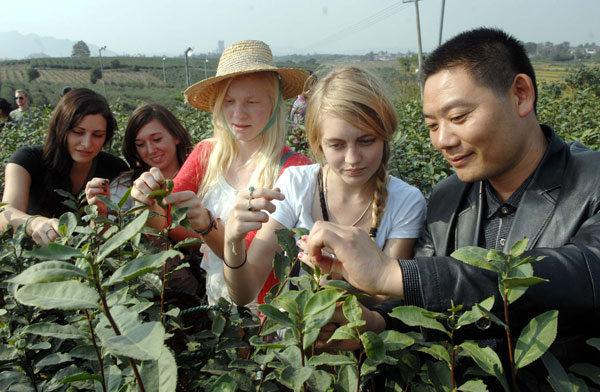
x=81, y=124
x=154, y=137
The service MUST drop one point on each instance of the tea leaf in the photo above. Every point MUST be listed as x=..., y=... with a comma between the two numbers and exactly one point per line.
x=536, y=338
x=344, y=333
x=331, y=360
x=473, y=386
x=495, y=255
x=437, y=351
x=473, y=315
x=142, y=342
x=294, y=377
x=487, y=360
x=218, y=325
x=68, y=221
x=287, y=242
x=522, y=271
x=474, y=256
x=373, y=345
x=594, y=342
x=81, y=377
x=124, y=198
x=8, y=352
x=53, y=359
x=54, y=251
x=519, y=247
x=414, y=316
x=440, y=376
x=347, y=379
x=511, y=283
x=160, y=375
x=281, y=266
x=587, y=370
x=66, y=295
x=320, y=381
x=55, y=330
x=48, y=271
x=337, y=284
x=310, y=337
x=123, y=236
x=110, y=205
x=395, y=340
x=320, y=301
x=351, y=309
x=190, y=241
x=141, y=265
x=557, y=376
x=276, y=315
x=224, y=384
x=256, y=341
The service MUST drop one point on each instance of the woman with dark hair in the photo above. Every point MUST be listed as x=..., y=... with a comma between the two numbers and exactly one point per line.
x=153, y=138
x=81, y=124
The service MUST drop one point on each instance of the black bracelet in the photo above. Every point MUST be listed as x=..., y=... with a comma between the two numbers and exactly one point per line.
x=239, y=266
x=212, y=225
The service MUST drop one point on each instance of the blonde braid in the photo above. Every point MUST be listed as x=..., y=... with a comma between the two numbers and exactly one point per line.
x=379, y=198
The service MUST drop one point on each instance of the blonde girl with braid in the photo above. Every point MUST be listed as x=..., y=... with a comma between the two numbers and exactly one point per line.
x=350, y=123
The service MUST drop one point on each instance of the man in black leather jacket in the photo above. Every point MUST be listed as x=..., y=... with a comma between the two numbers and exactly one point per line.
x=514, y=179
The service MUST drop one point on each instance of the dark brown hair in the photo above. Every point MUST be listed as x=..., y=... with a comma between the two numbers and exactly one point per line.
x=69, y=112
x=142, y=116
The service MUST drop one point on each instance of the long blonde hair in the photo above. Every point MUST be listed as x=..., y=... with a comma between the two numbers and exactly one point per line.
x=357, y=97
x=225, y=148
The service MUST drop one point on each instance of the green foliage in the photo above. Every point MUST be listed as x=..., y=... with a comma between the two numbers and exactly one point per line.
x=94, y=308
x=32, y=74
x=80, y=49
x=95, y=74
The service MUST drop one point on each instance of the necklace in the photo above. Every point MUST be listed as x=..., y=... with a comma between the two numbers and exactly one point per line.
x=323, y=200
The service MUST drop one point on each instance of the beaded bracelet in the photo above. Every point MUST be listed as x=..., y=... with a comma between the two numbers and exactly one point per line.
x=239, y=266
x=212, y=225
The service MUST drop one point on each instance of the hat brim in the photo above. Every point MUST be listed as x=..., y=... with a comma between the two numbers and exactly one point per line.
x=199, y=95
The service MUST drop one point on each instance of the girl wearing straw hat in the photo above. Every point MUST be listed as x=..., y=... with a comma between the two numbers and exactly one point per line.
x=350, y=123
x=247, y=100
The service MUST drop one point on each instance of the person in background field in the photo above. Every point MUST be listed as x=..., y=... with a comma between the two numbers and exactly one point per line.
x=246, y=98
x=350, y=123
x=81, y=124
x=22, y=101
x=298, y=111
x=4, y=113
x=153, y=138
x=514, y=179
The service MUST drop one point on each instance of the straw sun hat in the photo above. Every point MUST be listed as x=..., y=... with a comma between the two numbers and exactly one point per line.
x=241, y=58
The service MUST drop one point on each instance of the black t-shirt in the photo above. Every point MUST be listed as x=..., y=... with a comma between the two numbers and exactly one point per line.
x=105, y=165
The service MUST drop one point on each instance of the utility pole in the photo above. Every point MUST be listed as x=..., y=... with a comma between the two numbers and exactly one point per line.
x=186, y=54
x=420, y=53
x=102, y=69
x=164, y=74
x=72, y=71
x=441, y=22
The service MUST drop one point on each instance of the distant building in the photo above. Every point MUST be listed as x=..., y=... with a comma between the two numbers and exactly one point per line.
x=220, y=47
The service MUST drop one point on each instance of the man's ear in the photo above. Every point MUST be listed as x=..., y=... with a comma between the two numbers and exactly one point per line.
x=523, y=92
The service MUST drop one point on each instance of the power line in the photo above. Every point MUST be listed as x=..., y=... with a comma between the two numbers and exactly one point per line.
x=361, y=24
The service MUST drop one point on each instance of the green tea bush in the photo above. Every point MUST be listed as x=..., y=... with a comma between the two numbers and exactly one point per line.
x=94, y=311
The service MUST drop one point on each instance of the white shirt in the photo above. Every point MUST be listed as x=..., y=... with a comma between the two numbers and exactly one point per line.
x=403, y=217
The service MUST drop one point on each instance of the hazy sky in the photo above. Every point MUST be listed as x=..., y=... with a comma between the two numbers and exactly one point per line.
x=168, y=27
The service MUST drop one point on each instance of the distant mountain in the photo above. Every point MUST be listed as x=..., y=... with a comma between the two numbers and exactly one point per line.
x=14, y=45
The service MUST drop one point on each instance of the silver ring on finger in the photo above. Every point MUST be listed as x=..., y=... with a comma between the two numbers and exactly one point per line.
x=250, y=208
x=49, y=231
